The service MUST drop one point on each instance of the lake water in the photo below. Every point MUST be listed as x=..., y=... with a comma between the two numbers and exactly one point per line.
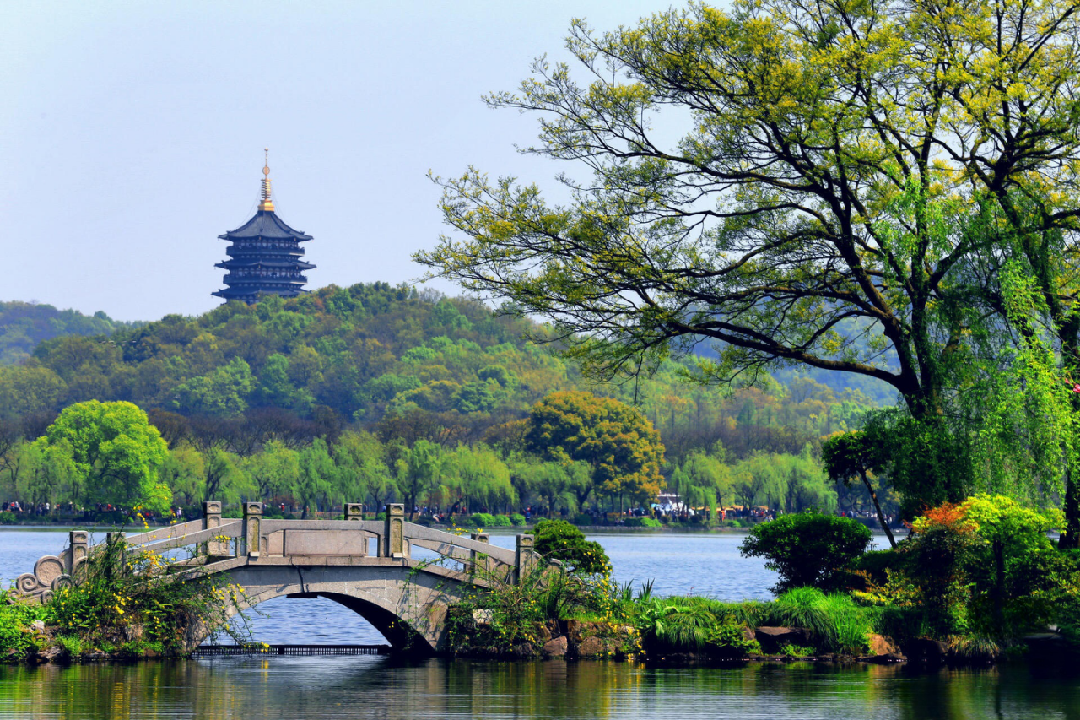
x=288, y=688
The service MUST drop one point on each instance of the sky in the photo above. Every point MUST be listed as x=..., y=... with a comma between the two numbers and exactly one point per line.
x=132, y=134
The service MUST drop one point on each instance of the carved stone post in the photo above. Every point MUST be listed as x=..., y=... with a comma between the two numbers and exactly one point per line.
x=354, y=512
x=212, y=519
x=252, y=528
x=527, y=559
x=119, y=565
x=481, y=563
x=392, y=543
x=79, y=541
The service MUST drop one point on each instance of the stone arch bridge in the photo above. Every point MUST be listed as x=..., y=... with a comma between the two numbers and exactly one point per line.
x=365, y=565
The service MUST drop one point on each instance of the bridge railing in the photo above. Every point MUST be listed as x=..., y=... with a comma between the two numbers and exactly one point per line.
x=259, y=540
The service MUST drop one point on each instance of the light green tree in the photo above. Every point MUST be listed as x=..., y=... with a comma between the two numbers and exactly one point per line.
x=417, y=472
x=478, y=474
x=116, y=452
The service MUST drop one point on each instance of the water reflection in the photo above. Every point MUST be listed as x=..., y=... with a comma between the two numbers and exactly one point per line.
x=376, y=687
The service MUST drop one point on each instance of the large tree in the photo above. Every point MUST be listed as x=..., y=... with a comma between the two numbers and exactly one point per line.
x=616, y=440
x=115, y=451
x=839, y=164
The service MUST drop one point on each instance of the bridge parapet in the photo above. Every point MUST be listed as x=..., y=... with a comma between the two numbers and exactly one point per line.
x=220, y=544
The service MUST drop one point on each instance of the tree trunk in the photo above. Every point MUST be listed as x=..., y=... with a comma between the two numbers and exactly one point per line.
x=877, y=506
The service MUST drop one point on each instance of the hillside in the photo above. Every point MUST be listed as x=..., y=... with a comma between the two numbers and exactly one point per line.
x=405, y=363
x=24, y=325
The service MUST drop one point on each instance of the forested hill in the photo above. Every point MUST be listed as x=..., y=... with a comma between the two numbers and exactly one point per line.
x=403, y=362
x=23, y=325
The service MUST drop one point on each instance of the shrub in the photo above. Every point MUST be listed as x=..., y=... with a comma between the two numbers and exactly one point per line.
x=808, y=549
x=7, y=518
x=517, y=519
x=559, y=540
x=500, y=521
x=17, y=638
x=584, y=519
x=481, y=519
x=643, y=522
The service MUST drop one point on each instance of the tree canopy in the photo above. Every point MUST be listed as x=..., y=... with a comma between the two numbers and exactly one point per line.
x=622, y=447
x=841, y=162
x=115, y=451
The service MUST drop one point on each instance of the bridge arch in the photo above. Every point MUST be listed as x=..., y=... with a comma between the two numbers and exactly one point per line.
x=406, y=600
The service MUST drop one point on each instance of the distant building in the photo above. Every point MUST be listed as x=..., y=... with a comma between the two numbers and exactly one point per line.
x=265, y=255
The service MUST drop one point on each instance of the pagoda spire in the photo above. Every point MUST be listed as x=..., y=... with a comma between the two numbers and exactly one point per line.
x=267, y=204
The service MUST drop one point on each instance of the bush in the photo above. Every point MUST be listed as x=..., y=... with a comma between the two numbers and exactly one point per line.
x=808, y=549
x=874, y=565
x=481, y=520
x=500, y=521
x=584, y=519
x=559, y=540
x=7, y=518
x=643, y=522
x=517, y=519
x=17, y=637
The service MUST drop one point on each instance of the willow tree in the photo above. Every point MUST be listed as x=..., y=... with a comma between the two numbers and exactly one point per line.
x=833, y=157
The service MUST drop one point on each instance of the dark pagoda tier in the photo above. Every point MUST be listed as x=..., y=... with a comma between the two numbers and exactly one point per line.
x=264, y=257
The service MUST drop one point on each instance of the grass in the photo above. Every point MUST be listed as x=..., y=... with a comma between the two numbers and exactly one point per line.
x=840, y=624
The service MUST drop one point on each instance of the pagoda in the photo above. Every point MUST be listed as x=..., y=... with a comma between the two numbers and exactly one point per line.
x=265, y=255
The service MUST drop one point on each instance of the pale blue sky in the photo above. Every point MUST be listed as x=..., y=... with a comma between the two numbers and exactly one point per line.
x=132, y=134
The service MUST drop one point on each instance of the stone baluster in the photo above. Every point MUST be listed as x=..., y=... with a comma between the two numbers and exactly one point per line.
x=253, y=528
x=392, y=543
x=527, y=558
x=354, y=512
x=212, y=519
x=481, y=562
x=79, y=547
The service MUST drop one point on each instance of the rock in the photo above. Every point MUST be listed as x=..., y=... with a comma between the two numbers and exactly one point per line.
x=591, y=647
x=1049, y=648
x=545, y=634
x=483, y=617
x=881, y=645
x=524, y=651
x=38, y=626
x=556, y=647
x=926, y=651
x=772, y=639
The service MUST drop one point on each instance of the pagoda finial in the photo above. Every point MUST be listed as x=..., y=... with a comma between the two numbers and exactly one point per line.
x=267, y=203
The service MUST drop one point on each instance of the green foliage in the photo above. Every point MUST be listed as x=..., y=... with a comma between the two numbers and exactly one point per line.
x=517, y=519
x=481, y=520
x=927, y=460
x=114, y=452
x=616, y=440
x=984, y=568
x=559, y=540
x=518, y=610
x=836, y=621
x=642, y=522
x=24, y=325
x=17, y=635
x=119, y=601
x=808, y=549
x=692, y=624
